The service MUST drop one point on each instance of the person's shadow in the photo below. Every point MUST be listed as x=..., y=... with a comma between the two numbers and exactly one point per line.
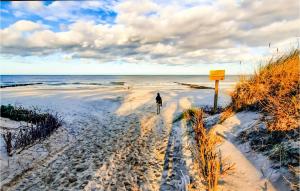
x=175, y=175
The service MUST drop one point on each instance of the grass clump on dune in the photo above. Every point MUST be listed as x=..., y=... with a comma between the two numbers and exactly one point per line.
x=274, y=89
x=210, y=164
x=205, y=150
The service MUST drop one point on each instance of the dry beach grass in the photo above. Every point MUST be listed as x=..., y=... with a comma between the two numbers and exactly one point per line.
x=274, y=88
x=210, y=164
x=274, y=91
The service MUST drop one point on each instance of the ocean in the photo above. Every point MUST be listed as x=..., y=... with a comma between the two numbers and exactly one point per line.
x=104, y=80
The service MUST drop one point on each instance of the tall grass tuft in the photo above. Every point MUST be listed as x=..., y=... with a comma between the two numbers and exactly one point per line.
x=274, y=89
x=209, y=160
x=207, y=157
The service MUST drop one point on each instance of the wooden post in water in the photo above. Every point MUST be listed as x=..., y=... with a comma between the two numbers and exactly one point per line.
x=216, y=75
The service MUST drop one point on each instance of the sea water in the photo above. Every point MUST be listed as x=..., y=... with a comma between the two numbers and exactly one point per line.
x=130, y=80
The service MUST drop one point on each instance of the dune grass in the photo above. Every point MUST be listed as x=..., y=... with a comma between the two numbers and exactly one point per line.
x=273, y=89
x=209, y=160
x=207, y=156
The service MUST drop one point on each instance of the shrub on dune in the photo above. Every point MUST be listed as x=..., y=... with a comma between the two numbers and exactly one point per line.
x=274, y=88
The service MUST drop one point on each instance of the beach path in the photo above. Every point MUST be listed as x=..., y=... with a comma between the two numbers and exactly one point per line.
x=128, y=148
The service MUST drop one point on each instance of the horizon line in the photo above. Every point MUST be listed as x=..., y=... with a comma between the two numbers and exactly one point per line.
x=118, y=74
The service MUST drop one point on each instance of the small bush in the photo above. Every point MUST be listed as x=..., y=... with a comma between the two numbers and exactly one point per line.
x=40, y=126
x=21, y=114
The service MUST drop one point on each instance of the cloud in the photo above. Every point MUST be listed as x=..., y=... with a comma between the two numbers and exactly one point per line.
x=275, y=32
x=28, y=5
x=154, y=32
x=60, y=10
x=24, y=25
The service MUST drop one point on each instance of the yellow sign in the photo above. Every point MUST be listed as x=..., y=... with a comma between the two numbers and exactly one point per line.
x=217, y=74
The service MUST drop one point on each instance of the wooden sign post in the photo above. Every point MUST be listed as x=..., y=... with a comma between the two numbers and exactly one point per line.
x=216, y=75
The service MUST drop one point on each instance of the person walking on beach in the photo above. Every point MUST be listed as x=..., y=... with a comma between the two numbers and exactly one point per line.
x=158, y=103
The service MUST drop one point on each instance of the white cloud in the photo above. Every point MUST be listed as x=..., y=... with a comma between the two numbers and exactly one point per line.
x=177, y=33
x=24, y=25
x=274, y=32
x=137, y=7
x=28, y=5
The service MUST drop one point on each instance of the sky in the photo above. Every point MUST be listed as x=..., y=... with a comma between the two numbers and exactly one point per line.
x=145, y=36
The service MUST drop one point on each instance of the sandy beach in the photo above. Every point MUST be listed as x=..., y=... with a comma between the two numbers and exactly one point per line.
x=117, y=138
x=112, y=139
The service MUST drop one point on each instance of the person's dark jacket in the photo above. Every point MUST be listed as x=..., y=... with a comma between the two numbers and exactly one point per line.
x=158, y=99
